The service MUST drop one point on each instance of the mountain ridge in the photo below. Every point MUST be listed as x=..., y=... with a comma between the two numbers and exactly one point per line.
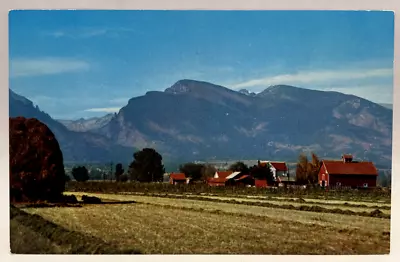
x=76, y=146
x=229, y=116
x=196, y=120
x=88, y=124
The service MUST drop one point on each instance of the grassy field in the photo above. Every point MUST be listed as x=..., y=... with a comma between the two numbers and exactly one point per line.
x=178, y=225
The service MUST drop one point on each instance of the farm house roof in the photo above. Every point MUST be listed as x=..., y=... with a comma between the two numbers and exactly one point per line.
x=178, y=176
x=279, y=166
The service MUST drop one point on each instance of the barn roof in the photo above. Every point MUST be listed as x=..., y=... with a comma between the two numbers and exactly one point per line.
x=223, y=174
x=279, y=166
x=178, y=176
x=353, y=168
x=216, y=180
x=244, y=177
x=233, y=175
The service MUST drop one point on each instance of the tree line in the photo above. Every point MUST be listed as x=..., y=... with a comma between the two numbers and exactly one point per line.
x=147, y=166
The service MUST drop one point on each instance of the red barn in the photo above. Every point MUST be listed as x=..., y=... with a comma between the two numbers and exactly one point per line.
x=260, y=183
x=347, y=173
x=212, y=181
x=219, y=178
x=177, y=178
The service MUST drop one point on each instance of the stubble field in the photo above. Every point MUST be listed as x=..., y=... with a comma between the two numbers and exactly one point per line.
x=187, y=224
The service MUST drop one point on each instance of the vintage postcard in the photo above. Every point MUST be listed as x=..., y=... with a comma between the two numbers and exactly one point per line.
x=200, y=132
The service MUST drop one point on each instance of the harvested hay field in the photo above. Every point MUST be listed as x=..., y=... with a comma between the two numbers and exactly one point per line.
x=366, y=212
x=295, y=202
x=32, y=234
x=158, y=225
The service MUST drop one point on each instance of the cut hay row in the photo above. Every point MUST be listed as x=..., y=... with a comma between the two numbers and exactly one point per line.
x=295, y=202
x=276, y=200
x=361, y=203
x=300, y=207
x=309, y=208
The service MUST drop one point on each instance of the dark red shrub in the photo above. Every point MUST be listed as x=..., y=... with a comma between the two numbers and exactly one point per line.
x=36, y=161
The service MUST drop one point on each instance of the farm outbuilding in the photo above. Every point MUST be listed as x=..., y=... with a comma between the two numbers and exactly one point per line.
x=347, y=173
x=219, y=179
x=222, y=174
x=279, y=169
x=216, y=181
x=280, y=173
x=262, y=183
x=240, y=179
x=177, y=178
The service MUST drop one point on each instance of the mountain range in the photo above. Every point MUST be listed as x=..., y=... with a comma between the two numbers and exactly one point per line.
x=76, y=146
x=84, y=125
x=195, y=120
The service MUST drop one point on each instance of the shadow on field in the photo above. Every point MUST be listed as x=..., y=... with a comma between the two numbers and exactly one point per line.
x=76, y=242
x=79, y=204
x=72, y=201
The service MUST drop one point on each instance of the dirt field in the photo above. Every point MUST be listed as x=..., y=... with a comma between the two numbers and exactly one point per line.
x=157, y=225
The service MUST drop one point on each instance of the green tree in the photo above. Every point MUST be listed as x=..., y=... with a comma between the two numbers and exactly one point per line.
x=262, y=172
x=146, y=166
x=80, y=173
x=192, y=170
x=119, y=171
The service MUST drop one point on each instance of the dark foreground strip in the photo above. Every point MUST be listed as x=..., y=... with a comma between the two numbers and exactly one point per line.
x=80, y=243
x=376, y=213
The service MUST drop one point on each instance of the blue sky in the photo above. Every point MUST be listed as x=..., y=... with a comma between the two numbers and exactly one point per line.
x=86, y=63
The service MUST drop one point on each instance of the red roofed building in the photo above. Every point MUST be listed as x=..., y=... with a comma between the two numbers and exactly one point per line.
x=219, y=178
x=212, y=181
x=347, y=173
x=280, y=170
x=222, y=174
x=245, y=180
x=177, y=178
